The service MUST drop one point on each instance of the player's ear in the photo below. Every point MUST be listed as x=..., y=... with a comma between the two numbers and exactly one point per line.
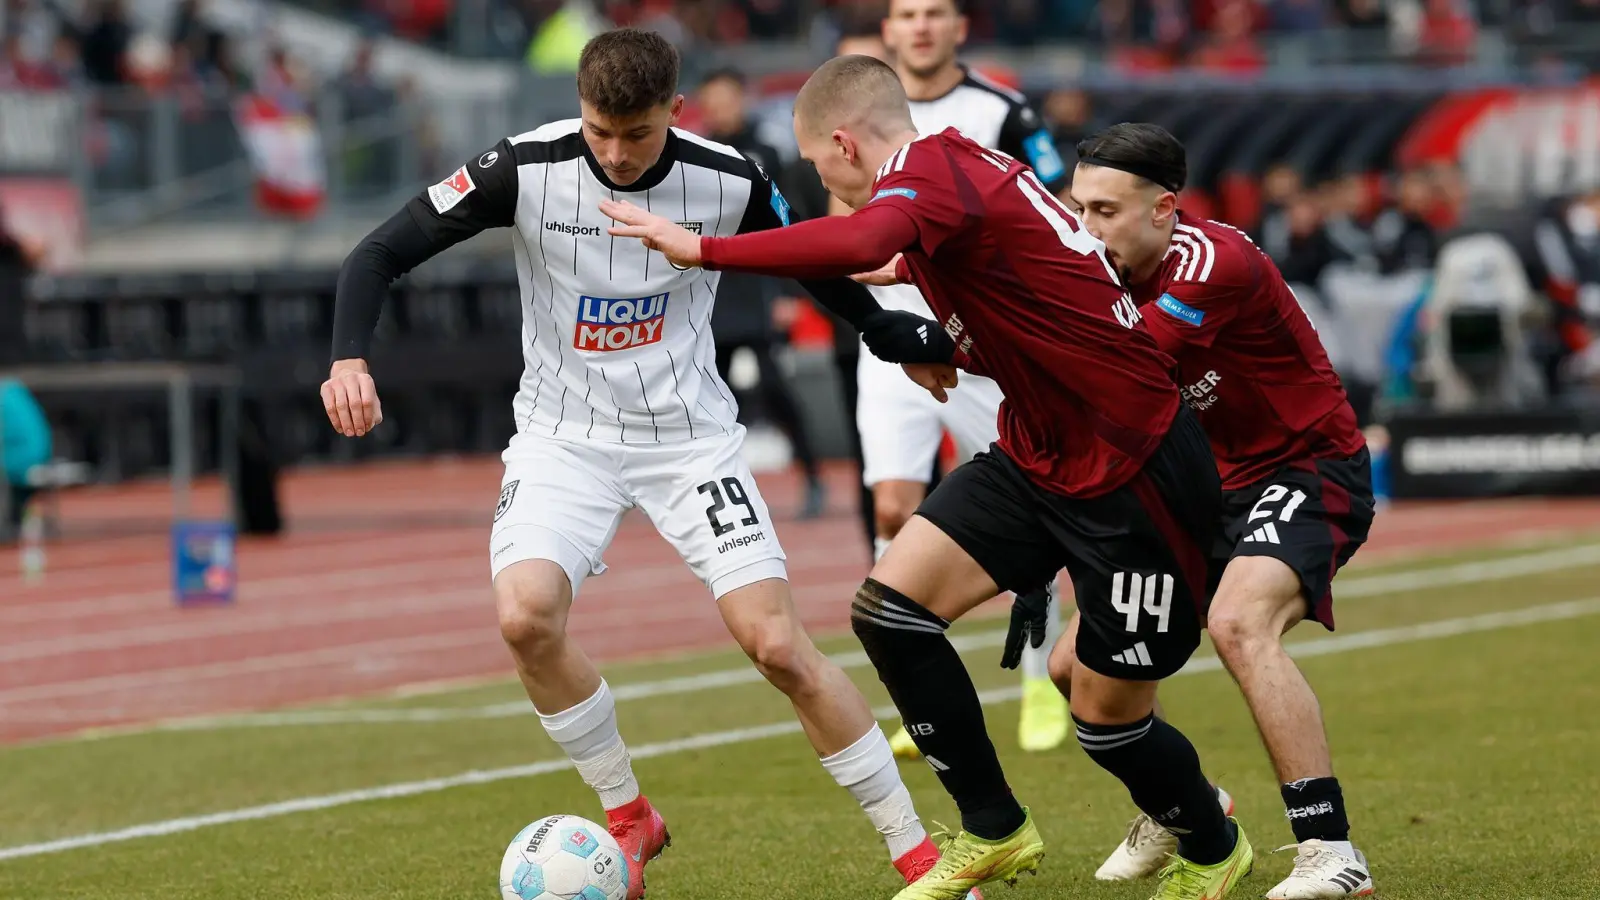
x=845, y=145
x=677, y=111
x=1166, y=207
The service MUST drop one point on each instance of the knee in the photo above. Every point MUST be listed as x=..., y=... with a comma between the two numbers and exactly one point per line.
x=781, y=655
x=1241, y=631
x=893, y=509
x=532, y=610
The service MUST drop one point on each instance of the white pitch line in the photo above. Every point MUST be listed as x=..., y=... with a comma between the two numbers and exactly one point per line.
x=1382, y=637
x=1368, y=586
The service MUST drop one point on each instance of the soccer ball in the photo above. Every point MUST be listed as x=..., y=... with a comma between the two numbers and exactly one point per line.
x=564, y=858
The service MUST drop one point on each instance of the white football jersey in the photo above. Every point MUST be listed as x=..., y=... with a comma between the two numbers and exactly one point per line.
x=617, y=341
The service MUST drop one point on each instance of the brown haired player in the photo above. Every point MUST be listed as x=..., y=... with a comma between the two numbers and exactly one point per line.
x=1296, y=476
x=620, y=407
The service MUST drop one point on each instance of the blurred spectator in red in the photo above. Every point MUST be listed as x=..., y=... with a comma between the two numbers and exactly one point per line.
x=1448, y=35
x=1230, y=46
x=281, y=83
x=64, y=67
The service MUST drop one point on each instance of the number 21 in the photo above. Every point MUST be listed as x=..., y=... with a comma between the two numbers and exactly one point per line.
x=1272, y=495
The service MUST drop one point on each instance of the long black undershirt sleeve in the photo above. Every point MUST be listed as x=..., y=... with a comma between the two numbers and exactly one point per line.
x=391, y=250
x=482, y=194
x=767, y=209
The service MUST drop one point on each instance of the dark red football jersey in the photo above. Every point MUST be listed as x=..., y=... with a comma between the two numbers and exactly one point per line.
x=1249, y=359
x=1030, y=300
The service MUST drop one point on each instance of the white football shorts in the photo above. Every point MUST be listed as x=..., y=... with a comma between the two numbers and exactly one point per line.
x=562, y=500
x=901, y=424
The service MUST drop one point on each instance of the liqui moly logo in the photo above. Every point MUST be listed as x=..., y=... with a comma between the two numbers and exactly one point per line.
x=605, y=325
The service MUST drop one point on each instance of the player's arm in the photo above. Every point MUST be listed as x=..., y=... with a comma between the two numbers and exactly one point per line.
x=1024, y=136
x=821, y=262
x=476, y=197
x=1198, y=306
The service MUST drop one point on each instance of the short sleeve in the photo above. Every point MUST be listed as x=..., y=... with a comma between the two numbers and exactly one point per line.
x=767, y=207
x=479, y=195
x=920, y=182
x=1204, y=297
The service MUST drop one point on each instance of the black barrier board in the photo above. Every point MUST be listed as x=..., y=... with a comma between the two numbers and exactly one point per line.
x=1554, y=452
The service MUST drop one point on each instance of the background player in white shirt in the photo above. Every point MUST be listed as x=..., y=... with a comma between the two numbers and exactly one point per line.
x=900, y=424
x=620, y=407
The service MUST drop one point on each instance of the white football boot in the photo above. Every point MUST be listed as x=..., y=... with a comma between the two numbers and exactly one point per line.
x=1146, y=848
x=1322, y=871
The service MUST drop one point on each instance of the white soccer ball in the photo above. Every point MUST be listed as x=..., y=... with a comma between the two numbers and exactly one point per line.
x=564, y=858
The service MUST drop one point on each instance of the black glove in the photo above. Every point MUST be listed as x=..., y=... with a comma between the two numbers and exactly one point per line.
x=1030, y=614
x=898, y=336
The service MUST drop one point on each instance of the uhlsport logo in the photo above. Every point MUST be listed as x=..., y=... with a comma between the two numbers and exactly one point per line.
x=605, y=324
x=572, y=229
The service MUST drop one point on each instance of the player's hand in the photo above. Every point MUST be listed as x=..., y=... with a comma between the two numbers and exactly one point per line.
x=351, y=399
x=881, y=277
x=933, y=377
x=678, y=244
x=898, y=336
x=1030, y=614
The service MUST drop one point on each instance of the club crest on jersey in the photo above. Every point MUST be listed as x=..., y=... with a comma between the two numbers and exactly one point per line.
x=451, y=191
x=606, y=324
x=697, y=228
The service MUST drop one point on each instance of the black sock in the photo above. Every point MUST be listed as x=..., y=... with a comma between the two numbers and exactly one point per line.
x=931, y=688
x=1315, y=807
x=1162, y=773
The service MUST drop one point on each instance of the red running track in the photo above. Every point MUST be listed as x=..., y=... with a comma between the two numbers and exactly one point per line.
x=382, y=581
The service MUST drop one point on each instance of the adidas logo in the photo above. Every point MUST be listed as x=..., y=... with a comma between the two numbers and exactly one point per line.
x=1349, y=879
x=1137, y=655
x=922, y=333
x=1266, y=534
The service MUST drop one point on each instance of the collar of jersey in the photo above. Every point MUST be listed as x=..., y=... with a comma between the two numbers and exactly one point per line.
x=652, y=177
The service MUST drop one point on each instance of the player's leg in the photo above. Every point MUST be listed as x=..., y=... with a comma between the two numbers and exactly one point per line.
x=1303, y=524
x=704, y=501
x=900, y=434
x=1146, y=846
x=971, y=417
x=1139, y=602
x=845, y=364
x=785, y=411
x=974, y=533
x=558, y=510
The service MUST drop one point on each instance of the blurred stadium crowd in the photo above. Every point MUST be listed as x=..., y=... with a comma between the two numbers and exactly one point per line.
x=1357, y=141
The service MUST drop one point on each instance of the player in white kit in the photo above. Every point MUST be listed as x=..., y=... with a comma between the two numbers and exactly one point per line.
x=900, y=423
x=620, y=407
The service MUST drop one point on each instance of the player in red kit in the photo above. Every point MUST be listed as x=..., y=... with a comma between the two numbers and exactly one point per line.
x=1099, y=469
x=1296, y=477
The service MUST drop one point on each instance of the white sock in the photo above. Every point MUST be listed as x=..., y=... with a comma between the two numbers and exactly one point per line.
x=867, y=769
x=588, y=733
x=1344, y=847
x=1036, y=660
x=879, y=546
